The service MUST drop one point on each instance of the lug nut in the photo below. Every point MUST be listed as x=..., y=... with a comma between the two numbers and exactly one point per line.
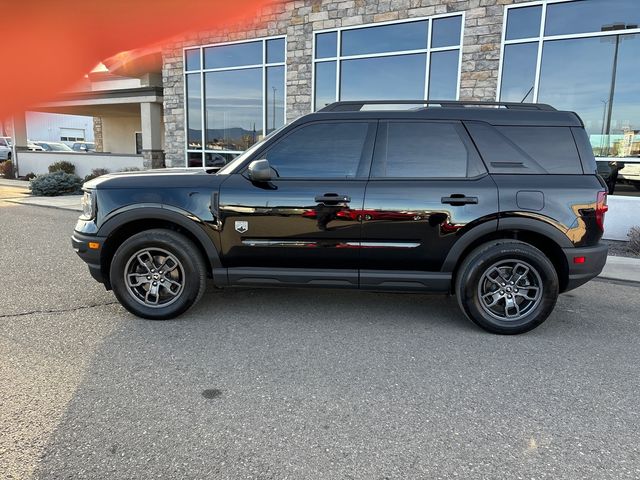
x=508, y=296
x=162, y=280
x=501, y=292
x=155, y=283
x=148, y=277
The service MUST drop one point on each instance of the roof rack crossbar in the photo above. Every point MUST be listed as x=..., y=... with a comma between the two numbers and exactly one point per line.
x=356, y=105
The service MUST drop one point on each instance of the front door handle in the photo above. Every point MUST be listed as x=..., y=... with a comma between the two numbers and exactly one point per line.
x=333, y=198
x=458, y=199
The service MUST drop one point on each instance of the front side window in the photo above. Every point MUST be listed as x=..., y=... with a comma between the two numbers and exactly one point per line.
x=423, y=150
x=403, y=60
x=579, y=56
x=234, y=97
x=320, y=150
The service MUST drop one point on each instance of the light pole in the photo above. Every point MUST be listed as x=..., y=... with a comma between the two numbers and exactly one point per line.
x=273, y=110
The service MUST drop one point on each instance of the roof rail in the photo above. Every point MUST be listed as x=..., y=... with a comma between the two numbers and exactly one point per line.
x=357, y=105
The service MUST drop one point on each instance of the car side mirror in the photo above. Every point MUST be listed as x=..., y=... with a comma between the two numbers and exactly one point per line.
x=259, y=171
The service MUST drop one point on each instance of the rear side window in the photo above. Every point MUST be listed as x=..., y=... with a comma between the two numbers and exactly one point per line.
x=553, y=148
x=526, y=150
x=423, y=150
x=320, y=150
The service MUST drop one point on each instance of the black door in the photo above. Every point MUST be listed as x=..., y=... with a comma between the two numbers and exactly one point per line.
x=427, y=184
x=303, y=226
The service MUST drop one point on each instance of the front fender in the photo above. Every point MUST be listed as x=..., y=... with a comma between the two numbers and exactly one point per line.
x=148, y=212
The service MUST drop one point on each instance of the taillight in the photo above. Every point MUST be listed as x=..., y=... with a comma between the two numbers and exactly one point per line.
x=601, y=208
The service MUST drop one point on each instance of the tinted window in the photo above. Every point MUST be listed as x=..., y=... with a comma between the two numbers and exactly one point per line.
x=327, y=45
x=591, y=16
x=553, y=148
x=274, y=98
x=526, y=150
x=233, y=55
x=385, y=38
x=321, y=150
x=523, y=22
x=421, y=150
x=446, y=32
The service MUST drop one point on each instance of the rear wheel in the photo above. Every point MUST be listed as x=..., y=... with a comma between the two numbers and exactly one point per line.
x=158, y=274
x=507, y=287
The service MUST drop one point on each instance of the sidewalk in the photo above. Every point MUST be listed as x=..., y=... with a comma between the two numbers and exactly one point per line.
x=65, y=202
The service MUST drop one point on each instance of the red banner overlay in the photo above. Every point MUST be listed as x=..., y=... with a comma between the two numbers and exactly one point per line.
x=49, y=45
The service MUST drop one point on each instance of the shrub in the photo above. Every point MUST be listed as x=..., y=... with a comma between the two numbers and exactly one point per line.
x=95, y=173
x=130, y=169
x=634, y=240
x=56, y=183
x=6, y=169
x=63, y=166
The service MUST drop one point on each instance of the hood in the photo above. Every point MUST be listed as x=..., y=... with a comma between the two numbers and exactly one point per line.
x=158, y=178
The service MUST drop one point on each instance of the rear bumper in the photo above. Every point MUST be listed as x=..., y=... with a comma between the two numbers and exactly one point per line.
x=581, y=273
x=90, y=256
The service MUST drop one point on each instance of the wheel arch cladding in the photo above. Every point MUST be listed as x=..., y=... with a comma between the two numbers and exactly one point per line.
x=123, y=225
x=546, y=238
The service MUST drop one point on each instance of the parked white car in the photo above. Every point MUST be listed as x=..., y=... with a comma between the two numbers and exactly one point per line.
x=5, y=148
x=53, y=146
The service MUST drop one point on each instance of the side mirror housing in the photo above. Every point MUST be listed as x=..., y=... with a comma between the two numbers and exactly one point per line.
x=259, y=171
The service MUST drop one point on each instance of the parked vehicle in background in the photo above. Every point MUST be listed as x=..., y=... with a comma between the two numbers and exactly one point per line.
x=5, y=148
x=53, y=146
x=32, y=147
x=631, y=173
x=497, y=203
x=84, y=147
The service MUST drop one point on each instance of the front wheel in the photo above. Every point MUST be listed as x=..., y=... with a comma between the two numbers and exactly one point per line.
x=158, y=274
x=507, y=287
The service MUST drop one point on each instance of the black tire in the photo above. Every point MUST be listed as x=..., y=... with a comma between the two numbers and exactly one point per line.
x=141, y=258
x=492, y=266
x=637, y=185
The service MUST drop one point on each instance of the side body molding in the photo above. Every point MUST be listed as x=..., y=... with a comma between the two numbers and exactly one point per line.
x=184, y=219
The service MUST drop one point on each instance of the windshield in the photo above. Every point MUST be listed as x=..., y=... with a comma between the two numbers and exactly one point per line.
x=231, y=166
x=3, y=142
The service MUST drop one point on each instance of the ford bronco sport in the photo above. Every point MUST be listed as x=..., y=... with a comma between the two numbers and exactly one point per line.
x=497, y=203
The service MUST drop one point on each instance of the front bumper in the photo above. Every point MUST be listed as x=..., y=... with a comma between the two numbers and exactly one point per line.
x=581, y=273
x=91, y=256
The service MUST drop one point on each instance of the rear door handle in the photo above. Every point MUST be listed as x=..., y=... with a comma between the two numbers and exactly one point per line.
x=333, y=198
x=458, y=199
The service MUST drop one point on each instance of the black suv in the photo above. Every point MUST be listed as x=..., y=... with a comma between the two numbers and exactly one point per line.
x=497, y=203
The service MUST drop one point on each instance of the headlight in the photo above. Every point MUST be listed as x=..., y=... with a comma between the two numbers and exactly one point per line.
x=88, y=204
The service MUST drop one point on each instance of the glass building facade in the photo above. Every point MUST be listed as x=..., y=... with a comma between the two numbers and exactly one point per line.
x=578, y=55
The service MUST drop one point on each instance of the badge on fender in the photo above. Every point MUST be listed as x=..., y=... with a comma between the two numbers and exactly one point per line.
x=242, y=226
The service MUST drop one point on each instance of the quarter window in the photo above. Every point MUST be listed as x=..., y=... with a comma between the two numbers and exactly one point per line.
x=321, y=150
x=423, y=150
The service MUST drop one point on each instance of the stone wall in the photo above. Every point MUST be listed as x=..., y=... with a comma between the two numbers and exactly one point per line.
x=97, y=134
x=298, y=19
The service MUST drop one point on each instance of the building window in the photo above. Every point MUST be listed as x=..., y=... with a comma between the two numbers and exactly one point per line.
x=406, y=60
x=580, y=56
x=234, y=96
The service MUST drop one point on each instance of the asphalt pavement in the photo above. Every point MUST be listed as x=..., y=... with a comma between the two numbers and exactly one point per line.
x=302, y=384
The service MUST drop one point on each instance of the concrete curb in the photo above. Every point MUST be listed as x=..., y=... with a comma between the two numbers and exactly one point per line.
x=625, y=269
